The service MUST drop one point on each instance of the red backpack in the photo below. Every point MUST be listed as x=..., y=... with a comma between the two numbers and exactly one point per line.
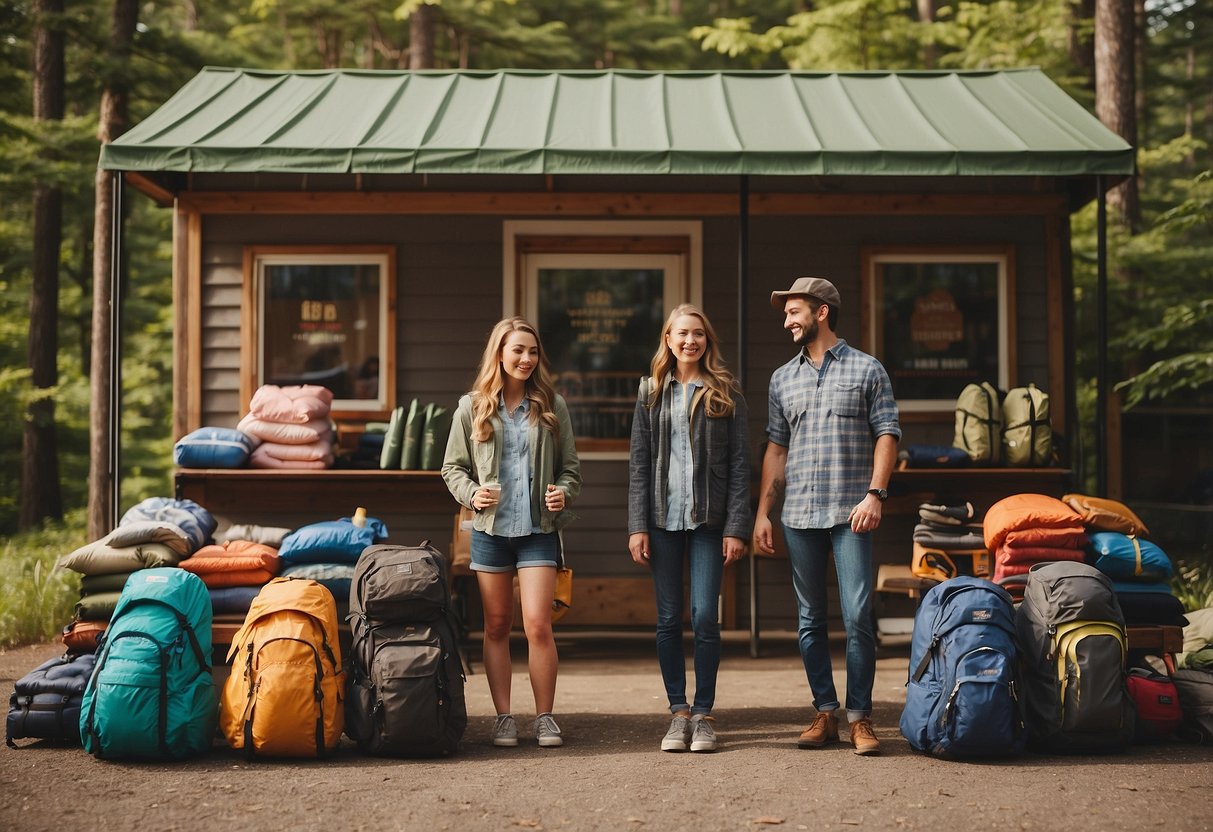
x=1157, y=702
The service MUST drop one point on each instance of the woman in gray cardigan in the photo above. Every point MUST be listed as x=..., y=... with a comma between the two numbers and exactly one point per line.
x=689, y=497
x=511, y=457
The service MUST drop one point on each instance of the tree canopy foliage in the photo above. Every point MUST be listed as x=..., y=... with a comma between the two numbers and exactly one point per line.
x=1164, y=314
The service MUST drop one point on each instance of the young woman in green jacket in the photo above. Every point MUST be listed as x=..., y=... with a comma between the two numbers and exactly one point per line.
x=511, y=457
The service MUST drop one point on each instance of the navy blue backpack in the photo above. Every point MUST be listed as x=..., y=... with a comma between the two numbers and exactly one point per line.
x=962, y=694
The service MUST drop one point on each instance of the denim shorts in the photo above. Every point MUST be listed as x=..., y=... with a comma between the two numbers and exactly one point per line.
x=505, y=554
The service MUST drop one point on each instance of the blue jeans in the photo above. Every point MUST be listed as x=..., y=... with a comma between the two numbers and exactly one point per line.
x=809, y=552
x=703, y=547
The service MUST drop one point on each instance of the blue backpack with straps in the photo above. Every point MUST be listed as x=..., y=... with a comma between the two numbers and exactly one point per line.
x=962, y=697
x=151, y=694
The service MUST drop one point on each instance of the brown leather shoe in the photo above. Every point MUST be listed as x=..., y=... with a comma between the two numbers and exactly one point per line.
x=863, y=738
x=823, y=730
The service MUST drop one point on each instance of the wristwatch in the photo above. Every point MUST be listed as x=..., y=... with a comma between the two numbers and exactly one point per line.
x=882, y=494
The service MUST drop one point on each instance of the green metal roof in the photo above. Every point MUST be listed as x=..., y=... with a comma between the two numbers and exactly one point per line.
x=1014, y=122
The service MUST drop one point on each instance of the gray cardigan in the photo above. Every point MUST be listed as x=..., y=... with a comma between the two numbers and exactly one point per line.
x=721, y=453
x=469, y=463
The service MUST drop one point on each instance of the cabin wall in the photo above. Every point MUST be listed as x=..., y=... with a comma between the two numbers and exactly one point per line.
x=449, y=294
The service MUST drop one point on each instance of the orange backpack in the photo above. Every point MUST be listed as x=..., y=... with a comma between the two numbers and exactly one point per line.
x=284, y=695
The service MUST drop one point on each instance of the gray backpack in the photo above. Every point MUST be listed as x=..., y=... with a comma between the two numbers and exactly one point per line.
x=1195, y=689
x=979, y=423
x=1027, y=437
x=1072, y=645
x=405, y=690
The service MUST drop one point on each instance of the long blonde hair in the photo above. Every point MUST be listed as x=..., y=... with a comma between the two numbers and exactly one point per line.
x=718, y=382
x=486, y=390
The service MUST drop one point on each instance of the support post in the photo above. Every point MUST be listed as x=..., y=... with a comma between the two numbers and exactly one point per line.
x=115, y=429
x=1101, y=339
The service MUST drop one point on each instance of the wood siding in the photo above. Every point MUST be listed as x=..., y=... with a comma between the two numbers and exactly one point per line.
x=449, y=294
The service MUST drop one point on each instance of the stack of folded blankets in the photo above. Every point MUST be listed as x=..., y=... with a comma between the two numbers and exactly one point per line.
x=1026, y=529
x=237, y=566
x=291, y=427
x=157, y=532
x=948, y=541
x=1140, y=570
x=326, y=552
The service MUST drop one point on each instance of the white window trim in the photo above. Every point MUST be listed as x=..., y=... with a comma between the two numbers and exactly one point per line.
x=692, y=279
x=876, y=310
x=383, y=261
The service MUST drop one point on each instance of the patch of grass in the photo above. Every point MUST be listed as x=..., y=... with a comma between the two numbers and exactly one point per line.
x=36, y=599
x=1193, y=584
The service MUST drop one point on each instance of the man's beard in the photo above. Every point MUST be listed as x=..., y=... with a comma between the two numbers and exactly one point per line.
x=807, y=336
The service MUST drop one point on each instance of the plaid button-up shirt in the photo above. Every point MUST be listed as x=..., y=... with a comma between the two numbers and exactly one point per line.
x=829, y=420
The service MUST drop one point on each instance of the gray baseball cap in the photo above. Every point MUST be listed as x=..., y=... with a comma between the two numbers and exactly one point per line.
x=817, y=288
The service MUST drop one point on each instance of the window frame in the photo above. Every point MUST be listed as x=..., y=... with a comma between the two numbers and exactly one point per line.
x=871, y=319
x=528, y=243
x=252, y=315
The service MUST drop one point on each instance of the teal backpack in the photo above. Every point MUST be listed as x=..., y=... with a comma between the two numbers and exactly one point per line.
x=151, y=694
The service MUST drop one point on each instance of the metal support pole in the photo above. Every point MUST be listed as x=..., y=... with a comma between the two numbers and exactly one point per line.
x=1101, y=340
x=743, y=293
x=115, y=427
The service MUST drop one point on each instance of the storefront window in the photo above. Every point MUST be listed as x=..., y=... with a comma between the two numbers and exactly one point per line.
x=322, y=317
x=600, y=303
x=938, y=320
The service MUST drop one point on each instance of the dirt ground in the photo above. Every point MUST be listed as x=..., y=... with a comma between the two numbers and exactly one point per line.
x=610, y=775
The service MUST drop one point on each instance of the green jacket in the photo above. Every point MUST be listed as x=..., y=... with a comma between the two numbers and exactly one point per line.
x=469, y=463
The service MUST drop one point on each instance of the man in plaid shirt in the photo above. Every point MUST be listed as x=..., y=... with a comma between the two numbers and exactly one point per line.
x=833, y=433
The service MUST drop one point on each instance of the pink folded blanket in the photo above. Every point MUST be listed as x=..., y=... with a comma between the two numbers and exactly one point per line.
x=296, y=404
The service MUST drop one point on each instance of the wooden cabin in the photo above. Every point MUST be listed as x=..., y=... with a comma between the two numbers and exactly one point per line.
x=366, y=229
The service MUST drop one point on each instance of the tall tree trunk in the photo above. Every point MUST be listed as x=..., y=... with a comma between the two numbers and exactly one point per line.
x=1081, y=42
x=421, y=37
x=113, y=123
x=1115, y=98
x=926, y=14
x=40, y=494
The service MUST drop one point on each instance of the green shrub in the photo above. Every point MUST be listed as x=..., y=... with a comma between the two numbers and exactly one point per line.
x=1193, y=584
x=36, y=599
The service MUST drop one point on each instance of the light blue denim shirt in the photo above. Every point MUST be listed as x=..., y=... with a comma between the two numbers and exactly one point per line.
x=514, y=510
x=680, y=488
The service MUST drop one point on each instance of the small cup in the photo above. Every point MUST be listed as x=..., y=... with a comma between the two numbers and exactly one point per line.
x=494, y=489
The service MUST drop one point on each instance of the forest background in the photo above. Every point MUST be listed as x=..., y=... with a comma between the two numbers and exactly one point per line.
x=77, y=72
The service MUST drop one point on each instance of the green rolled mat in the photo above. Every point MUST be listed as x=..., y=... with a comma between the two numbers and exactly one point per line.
x=414, y=424
x=389, y=457
x=433, y=442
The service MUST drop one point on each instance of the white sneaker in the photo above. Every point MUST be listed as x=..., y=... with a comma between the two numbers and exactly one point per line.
x=679, y=735
x=703, y=735
x=547, y=732
x=505, y=731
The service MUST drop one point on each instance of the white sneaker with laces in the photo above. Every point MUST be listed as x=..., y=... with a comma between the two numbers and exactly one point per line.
x=505, y=731
x=547, y=732
x=703, y=735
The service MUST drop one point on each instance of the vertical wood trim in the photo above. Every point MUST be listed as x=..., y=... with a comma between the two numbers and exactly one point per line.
x=868, y=292
x=248, y=326
x=194, y=391
x=1012, y=319
x=1056, y=322
x=181, y=323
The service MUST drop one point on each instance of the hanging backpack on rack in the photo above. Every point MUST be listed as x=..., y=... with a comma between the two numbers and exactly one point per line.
x=1027, y=435
x=979, y=423
x=1072, y=642
x=151, y=694
x=962, y=693
x=283, y=697
x=405, y=690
